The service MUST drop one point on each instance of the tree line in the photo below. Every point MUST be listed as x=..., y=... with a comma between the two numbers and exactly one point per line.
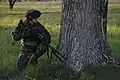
x=26, y=0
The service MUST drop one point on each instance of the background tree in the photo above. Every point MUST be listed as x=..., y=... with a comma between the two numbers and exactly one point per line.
x=19, y=0
x=83, y=33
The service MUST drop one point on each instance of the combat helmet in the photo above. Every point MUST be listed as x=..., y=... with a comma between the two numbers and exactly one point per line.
x=34, y=14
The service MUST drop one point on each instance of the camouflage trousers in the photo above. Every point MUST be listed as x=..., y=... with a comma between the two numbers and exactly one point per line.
x=30, y=53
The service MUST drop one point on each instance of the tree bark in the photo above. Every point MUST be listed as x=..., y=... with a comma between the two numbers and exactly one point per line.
x=83, y=33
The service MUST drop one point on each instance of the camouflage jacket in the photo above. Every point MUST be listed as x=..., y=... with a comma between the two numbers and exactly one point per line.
x=28, y=35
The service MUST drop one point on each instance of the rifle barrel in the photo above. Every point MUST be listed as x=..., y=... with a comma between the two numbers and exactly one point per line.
x=57, y=51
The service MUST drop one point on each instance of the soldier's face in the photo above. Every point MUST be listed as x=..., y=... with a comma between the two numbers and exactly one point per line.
x=34, y=20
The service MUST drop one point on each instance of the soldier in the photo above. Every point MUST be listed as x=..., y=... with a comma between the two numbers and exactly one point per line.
x=32, y=47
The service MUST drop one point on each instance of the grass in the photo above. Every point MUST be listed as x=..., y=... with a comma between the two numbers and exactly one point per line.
x=51, y=14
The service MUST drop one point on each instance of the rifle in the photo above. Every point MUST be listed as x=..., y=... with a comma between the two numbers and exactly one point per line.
x=53, y=50
x=20, y=28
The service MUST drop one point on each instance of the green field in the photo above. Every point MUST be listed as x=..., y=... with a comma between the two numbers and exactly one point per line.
x=51, y=16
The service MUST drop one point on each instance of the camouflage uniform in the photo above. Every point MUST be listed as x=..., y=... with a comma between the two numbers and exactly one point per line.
x=31, y=45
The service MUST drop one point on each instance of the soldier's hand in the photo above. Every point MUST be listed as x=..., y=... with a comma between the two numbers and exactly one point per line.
x=13, y=33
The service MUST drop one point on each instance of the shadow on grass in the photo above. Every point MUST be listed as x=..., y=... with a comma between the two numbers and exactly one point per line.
x=48, y=71
x=45, y=71
x=109, y=72
x=2, y=75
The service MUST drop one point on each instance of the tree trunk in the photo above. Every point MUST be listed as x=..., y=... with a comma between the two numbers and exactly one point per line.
x=83, y=33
